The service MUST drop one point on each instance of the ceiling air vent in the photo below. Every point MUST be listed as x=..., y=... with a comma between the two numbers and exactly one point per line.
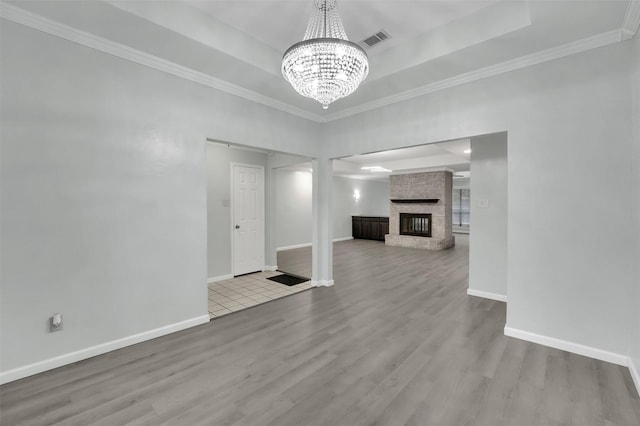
x=377, y=38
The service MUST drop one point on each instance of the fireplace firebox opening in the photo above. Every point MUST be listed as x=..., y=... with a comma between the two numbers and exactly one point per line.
x=416, y=224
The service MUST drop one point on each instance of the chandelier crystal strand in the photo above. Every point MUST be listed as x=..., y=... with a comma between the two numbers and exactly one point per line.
x=325, y=66
x=319, y=27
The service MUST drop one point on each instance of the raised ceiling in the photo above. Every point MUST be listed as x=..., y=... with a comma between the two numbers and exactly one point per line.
x=237, y=45
x=451, y=155
x=404, y=20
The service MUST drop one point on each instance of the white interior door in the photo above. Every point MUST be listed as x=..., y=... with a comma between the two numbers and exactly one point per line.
x=248, y=218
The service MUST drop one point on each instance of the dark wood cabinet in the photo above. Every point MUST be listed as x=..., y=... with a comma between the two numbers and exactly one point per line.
x=369, y=227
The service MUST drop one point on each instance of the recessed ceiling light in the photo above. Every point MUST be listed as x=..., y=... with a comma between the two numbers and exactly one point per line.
x=375, y=169
x=467, y=151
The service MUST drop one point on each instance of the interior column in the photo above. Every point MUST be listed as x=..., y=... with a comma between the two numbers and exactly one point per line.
x=271, y=257
x=322, y=233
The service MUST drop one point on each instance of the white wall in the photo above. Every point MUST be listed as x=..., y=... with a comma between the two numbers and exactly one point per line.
x=570, y=276
x=293, y=205
x=488, y=263
x=219, y=159
x=104, y=197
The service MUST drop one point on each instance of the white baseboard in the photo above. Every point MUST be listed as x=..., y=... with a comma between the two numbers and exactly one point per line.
x=635, y=374
x=59, y=361
x=326, y=283
x=568, y=346
x=487, y=295
x=270, y=268
x=460, y=231
x=342, y=239
x=295, y=246
x=219, y=278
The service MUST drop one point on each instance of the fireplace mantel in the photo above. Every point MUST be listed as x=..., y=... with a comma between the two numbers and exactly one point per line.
x=415, y=200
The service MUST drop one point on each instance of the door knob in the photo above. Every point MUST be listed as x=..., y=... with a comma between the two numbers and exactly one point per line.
x=237, y=226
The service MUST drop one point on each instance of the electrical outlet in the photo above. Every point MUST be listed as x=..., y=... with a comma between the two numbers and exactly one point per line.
x=55, y=323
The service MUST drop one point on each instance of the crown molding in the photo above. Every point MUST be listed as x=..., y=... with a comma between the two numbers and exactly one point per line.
x=631, y=20
x=37, y=22
x=21, y=16
x=557, y=52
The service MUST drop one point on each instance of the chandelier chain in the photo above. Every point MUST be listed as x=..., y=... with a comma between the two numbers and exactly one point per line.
x=325, y=18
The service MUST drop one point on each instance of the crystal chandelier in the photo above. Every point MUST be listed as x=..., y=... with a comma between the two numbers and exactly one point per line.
x=325, y=66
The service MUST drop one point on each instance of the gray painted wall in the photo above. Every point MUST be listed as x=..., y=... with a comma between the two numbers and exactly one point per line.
x=635, y=339
x=569, y=124
x=103, y=192
x=293, y=205
x=374, y=201
x=105, y=198
x=488, y=240
x=219, y=159
x=462, y=183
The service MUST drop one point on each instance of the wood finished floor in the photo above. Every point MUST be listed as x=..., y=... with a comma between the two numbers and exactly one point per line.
x=396, y=342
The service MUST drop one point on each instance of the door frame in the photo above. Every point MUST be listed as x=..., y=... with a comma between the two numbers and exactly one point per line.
x=233, y=165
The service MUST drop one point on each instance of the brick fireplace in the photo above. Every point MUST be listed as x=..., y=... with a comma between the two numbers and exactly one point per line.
x=420, y=214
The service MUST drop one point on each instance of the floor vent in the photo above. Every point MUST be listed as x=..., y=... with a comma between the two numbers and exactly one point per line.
x=376, y=39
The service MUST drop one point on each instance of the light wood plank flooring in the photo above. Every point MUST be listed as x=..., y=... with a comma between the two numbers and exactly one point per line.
x=395, y=342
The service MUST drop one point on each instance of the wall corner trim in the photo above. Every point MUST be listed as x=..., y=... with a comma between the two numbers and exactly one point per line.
x=487, y=295
x=219, y=278
x=572, y=347
x=635, y=374
x=326, y=283
x=270, y=268
x=69, y=358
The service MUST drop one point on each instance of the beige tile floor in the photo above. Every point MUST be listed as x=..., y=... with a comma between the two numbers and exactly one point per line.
x=245, y=291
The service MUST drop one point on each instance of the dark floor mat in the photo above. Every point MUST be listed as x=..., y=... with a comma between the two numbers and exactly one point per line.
x=287, y=279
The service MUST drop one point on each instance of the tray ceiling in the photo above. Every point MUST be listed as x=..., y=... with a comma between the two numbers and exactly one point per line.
x=237, y=45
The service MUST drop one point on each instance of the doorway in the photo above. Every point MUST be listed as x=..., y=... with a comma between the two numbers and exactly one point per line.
x=247, y=217
x=481, y=200
x=241, y=261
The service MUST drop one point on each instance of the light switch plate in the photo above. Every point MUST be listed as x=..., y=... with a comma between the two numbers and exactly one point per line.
x=483, y=203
